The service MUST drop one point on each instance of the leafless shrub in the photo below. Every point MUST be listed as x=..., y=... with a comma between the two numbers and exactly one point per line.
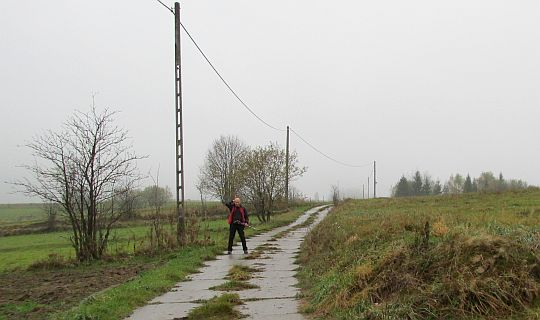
x=85, y=168
x=336, y=196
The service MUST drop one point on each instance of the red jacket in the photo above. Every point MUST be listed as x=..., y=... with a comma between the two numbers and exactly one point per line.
x=233, y=208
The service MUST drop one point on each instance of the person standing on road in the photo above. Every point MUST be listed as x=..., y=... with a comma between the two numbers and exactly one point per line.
x=238, y=219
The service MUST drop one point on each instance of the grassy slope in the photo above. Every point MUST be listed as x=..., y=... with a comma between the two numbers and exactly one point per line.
x=370, y=259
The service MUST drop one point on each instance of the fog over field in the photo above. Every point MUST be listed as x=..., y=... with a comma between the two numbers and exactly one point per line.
x=437, y=86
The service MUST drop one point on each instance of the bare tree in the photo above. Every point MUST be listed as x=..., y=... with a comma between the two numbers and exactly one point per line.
x=201, y=188
x=295, y=195
x=454, y=185
x=85, y=168
x=264, y=177
x=336, y=195
x=156, y=197
x=129, y=202
x=51, y=210
x=221, y=172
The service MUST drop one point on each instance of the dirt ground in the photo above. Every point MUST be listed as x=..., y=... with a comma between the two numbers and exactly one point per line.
x=33, y=294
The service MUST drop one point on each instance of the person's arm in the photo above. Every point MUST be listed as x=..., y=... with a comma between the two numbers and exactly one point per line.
x=229, y=204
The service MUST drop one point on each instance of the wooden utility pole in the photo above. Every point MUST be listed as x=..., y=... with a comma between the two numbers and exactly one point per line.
x=374, y=179
x=179, y=143
x=287, y=170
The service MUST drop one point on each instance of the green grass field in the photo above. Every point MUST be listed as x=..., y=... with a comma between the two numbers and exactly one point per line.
x=21, y=213
x=18, y=252
x=471, y=256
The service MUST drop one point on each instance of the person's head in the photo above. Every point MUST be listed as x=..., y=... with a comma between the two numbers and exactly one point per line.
x=236, y=201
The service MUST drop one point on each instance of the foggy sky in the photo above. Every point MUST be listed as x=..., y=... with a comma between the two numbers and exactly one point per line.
x=439, y=86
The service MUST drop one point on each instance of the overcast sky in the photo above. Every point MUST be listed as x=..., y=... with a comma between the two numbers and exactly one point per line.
x=436, y=86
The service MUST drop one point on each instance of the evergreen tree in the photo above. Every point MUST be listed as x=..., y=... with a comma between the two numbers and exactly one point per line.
x=467, y=185
x=437, y=188
x=417, y=184
x=427, y=186
x=501, y=184
x=402, y=188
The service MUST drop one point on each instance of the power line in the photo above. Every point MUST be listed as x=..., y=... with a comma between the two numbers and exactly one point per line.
x=226, y=84
x=327, y=156
x=219, y=75
x=249, y=109
x=170, y=9
x=253, y=113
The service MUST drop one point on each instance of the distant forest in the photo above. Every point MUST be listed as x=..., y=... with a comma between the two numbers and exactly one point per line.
x=423, y=185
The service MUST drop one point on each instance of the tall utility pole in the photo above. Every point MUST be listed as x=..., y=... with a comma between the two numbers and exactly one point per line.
x=374, y=179
x=287, y=170
x=179, y=143
x=363, y=195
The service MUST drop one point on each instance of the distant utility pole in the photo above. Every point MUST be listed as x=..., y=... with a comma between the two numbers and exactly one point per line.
x=287, y=170
x=179, y=143
x=374, y=179
x=368, y=187
x=363, y=196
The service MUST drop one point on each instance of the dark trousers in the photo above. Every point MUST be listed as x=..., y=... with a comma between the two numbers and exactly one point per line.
x=232, y=231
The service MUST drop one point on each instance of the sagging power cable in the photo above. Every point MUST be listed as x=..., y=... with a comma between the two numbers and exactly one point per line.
x=250, y=110
x=327, y=156
x=227, y=84
x=219, y=74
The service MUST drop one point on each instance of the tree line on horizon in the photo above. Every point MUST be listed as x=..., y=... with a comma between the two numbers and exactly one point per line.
x=423, y=185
